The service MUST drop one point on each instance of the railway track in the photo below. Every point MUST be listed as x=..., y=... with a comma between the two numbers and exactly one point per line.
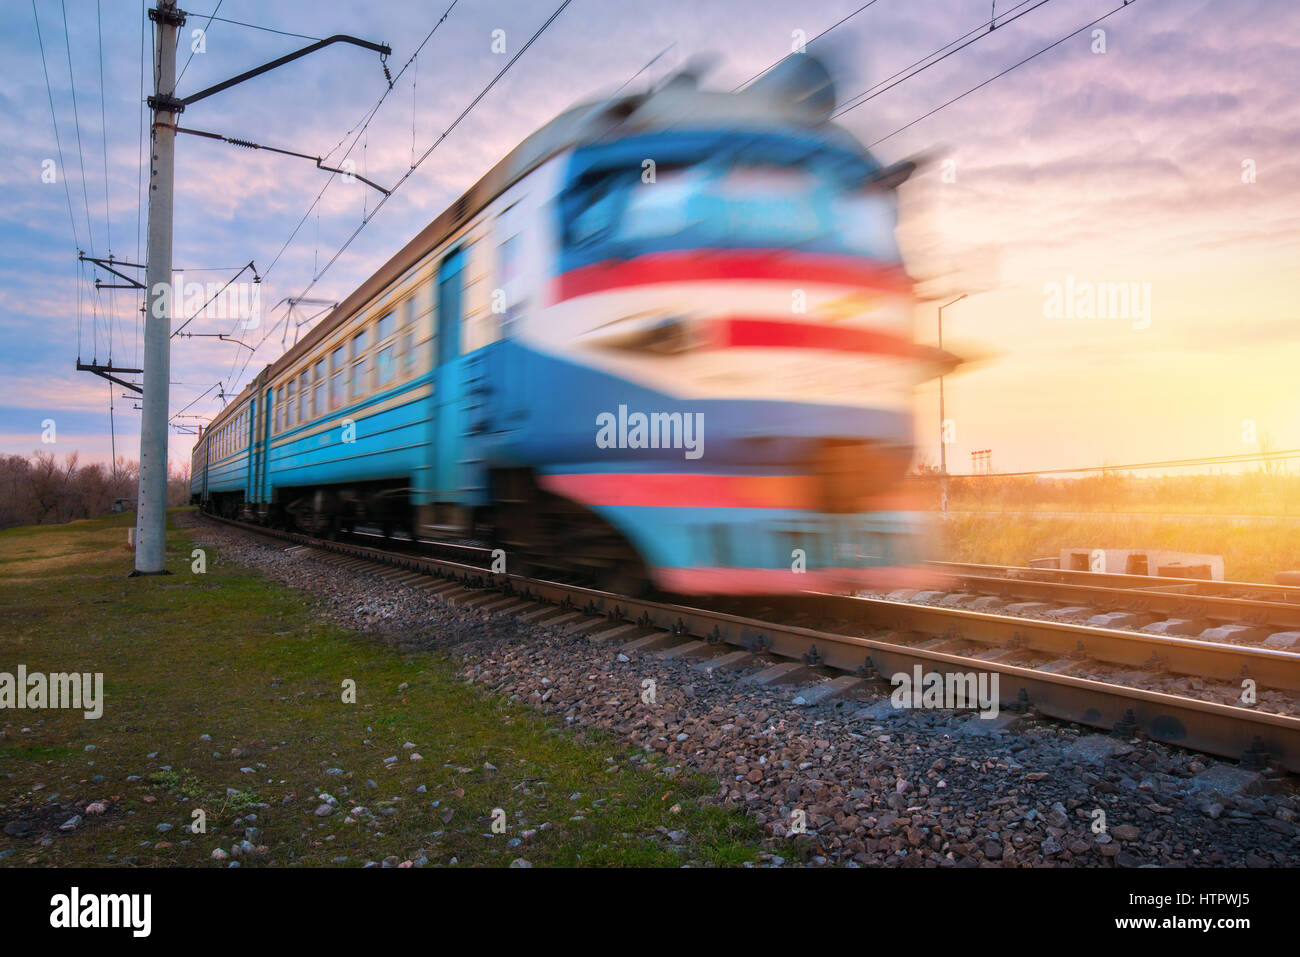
x=1251, y=591
x=836, y=644
x=1233, y=612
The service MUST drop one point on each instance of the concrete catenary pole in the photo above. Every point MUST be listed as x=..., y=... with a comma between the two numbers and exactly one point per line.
x=151, y=502
x=943, y=420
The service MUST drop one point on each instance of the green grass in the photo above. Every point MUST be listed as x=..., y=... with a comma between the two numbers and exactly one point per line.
x=230, y=655
x=1251, y=551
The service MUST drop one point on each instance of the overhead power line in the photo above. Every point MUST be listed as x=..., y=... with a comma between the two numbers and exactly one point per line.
x=1169, y=463
x=58, y=142
x=837, y=23
x=999, y=75
x=76, y=122
x=253, y=26
x=192, y=50
x=938, y=56
x=418, y=163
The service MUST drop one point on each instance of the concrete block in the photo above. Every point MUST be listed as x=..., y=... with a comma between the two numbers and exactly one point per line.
x=1227, y=780
x=652, y=642
x=1283, y=639
x=614, y=632
x=819, y=694
x=687, y=649
x=1028, y=608
x=540, y=613
x=505, y=605
x=1071, y=613
x=1116, y=619
x=1094, y=749
x=469, y=597
x=589, y=624
x=1143, y=561
x=1234, y=633
x=727, y=662
x=1173, y=626
x=1004, y=722
x=880, y=711
x=564, y=619
x=781, y=673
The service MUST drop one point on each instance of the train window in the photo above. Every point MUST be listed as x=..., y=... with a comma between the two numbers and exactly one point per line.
x=289, y=407
x=318, y=398
x=507, y=272
x=408, y=338
x=338, y=377
x=408, y=350
x=408, y=312
x=508, y=256
x=304, y=397
x=384, y=365
x=385, y=326
x=359, y=364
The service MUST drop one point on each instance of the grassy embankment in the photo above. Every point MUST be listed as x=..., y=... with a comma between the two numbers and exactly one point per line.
x=229, y=655
x=993, y=518
x=1250, y=552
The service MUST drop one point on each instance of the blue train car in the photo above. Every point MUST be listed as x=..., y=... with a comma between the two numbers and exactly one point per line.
x=667, y=340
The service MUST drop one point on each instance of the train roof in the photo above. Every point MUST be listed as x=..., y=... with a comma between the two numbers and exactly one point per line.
x=797, y=92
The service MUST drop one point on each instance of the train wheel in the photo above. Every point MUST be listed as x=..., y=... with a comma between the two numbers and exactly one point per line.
x=626, y=577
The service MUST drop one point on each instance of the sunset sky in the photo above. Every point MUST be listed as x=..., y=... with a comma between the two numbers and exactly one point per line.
x=1080, y=167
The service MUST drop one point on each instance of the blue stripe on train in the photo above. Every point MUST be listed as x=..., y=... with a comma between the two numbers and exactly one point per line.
x=765, y=538
x=523, y=408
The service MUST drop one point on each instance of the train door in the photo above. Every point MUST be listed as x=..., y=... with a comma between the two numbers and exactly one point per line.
x=250, y=484
x=447, y=378
x=264, y=446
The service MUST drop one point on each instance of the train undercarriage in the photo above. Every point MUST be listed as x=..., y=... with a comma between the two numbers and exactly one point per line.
x=541, y=534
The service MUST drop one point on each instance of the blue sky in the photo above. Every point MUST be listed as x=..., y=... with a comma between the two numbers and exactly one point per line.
x=1117, y=166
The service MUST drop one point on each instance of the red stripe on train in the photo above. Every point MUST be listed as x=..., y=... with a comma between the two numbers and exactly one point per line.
x=697, y=265
x=775, y=334
x=683, y=490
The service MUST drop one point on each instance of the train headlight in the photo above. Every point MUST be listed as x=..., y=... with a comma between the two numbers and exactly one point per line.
x=658, y=333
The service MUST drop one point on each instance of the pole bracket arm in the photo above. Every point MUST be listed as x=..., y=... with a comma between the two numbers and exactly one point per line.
x=383, y=49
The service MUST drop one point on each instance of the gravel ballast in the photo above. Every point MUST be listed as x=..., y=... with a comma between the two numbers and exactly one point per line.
x=872, y=785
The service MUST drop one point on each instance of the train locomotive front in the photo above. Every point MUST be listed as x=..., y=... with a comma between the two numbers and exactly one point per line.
x=714, y=395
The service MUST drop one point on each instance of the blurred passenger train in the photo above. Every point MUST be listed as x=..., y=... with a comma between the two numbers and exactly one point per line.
x=666, y=342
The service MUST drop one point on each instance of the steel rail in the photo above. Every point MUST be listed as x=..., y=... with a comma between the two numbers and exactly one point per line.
x=1187, y=586
x=1165, y=653
x=1284, y=615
